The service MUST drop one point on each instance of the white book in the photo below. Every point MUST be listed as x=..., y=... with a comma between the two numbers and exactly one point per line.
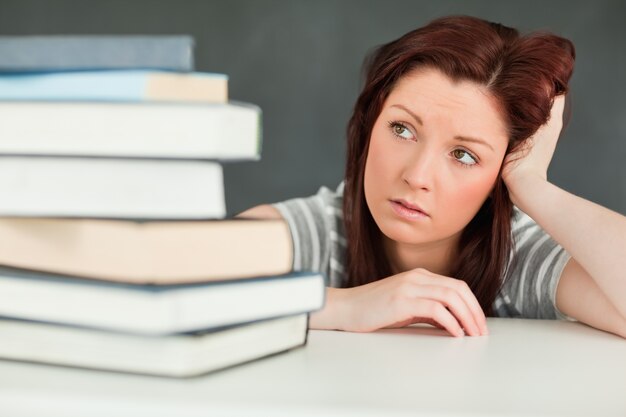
x=180, y=355
x=115, y=188
x=156, y=309
x=160, y=130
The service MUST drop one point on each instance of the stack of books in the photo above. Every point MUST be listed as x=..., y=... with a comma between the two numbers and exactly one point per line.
x=115, y=252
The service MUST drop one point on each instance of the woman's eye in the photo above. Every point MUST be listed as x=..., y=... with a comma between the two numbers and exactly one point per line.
x=463, y=157
x=401, y=131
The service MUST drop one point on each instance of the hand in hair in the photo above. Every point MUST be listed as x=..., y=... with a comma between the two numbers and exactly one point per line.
x=416, y=296
x=531, y=161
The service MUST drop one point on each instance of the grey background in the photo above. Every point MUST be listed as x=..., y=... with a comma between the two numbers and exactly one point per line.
x=300, y=61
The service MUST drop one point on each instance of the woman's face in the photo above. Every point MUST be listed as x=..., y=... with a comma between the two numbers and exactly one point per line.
x=434, y=156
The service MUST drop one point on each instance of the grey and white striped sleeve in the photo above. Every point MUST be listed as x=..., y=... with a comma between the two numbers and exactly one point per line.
x=533, y=273
x=316, y=231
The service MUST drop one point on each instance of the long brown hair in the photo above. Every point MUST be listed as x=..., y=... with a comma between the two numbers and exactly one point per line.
x=523, y=73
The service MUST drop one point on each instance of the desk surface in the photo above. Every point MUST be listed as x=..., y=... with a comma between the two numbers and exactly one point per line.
x=524, y=367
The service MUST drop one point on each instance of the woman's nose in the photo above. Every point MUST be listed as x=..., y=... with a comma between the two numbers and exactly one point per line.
x=419, y=170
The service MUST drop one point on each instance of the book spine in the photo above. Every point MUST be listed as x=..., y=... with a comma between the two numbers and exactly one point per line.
x=114, y=86
x=179, y=131
x=114, y=188
x=56, y=53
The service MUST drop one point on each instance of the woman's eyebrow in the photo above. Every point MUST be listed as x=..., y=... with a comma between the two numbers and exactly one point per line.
x=459, y=138
x=413, y=115
x=474, y=140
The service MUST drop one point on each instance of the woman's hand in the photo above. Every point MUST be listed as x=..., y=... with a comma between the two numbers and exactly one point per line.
x=530, y=163
x=416, y=296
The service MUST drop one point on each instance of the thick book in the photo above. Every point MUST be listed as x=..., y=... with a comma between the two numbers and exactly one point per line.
x=152, y=252
x=113, y=188
x=159, y=130
x=115, y=86
x=156, y=309
x=179, y=355
x=82, y=52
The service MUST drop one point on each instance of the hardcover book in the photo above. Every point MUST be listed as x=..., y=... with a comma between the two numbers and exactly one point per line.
x=156, y=309
x=178, y=355
x=115, y=188
x=80, y=52
x=148, y=252
x=115, y=86
x=143, y=130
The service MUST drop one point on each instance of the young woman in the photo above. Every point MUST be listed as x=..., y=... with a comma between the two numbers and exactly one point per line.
x=446, y=214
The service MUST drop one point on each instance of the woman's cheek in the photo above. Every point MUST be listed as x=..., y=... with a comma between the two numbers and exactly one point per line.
x=379, y=166
x=474, y=192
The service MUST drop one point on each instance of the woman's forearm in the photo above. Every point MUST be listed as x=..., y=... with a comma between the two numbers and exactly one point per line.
x=594, y=235
x=328, y=317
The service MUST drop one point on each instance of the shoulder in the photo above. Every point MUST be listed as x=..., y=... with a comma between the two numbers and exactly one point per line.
x=534, y=269
x=316, y=224
x=326, y=204
x=521, y=222
x=531, y=243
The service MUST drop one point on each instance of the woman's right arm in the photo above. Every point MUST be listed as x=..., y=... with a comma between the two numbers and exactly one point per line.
x=416, y=296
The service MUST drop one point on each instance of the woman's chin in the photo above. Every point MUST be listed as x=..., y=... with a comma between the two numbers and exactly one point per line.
x=402, y=233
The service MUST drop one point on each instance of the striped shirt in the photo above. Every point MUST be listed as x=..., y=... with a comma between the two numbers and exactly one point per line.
x=529, y=283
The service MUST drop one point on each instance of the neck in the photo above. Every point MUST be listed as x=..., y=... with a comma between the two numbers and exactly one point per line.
x=436, y=257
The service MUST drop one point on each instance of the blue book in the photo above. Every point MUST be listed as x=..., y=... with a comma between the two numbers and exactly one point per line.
x=81, y=52
x=156, y=309
x=115, y=86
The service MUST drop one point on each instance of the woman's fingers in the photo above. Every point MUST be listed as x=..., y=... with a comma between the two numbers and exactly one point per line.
x=455, y=303
x=411, y=297
x=436, y=311
x=462, y=290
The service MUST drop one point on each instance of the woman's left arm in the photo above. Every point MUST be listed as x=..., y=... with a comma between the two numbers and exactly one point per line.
x=592, y=287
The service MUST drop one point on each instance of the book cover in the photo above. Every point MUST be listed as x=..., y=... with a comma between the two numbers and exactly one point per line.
x=148, y=252
x=156, y=309
x=79, y=52
x=114, y=188
x=221, y=131
x=115, y=86
x=180, y=355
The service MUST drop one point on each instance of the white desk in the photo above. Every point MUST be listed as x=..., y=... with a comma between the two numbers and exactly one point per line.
x=523, y=368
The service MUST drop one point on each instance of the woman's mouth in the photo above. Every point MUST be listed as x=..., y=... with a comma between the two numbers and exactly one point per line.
x=407, y=210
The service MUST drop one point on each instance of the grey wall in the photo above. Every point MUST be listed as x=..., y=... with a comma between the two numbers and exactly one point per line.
x=300, y=61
